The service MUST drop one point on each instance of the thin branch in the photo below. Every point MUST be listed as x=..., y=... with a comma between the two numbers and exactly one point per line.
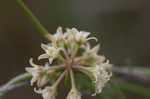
x=60, y=78
x=56, y=67
x=18, y=79
x=130, y=73
x=66, y=53
x=82, y=69
x=79, y=67
x=12, y=87
x=72, y=52
x=72, y=78
x=32, y=18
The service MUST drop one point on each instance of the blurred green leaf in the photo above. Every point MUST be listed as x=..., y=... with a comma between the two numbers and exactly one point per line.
x=117, y=90
x=133, y=88
x=67, y=81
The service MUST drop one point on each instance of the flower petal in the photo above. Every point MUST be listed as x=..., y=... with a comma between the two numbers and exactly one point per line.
x=32, y=63
x=43, y=56
x=74, y=94
x=95, y=49
x=44, y=46
x=47, y=92
x=50, y=60
x=92, y=38
x=59, y=30
x=34, y=79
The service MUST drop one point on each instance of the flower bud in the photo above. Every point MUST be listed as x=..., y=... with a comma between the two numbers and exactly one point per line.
x=47, y=92
x=74, y=94
x=58, y=36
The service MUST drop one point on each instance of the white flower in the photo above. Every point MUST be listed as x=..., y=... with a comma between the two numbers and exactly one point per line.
x=101, y=75
x=47, y=92
x=81, y=36
x=39, y=74
x=91, y=54
x=91, y=51
x=74, y=94
x=101, y=80
x=68, y=36
x=73, y=35
x=51, y=52
x=57, y=36
x=71, y=50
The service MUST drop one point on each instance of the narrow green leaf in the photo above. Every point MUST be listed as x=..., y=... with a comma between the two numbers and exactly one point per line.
x=136, y=89
x=116, y=89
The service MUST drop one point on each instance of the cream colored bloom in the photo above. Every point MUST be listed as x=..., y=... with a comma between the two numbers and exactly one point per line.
x=51, y=52
x=101, y=75
x=68, y=36
x=81, y=36
x=39, y=74
x=101, y=80
x=71, y=50
x=74, y=94
x=91, y=54
x=57, y=36
x=73, y=35
x=47, y=92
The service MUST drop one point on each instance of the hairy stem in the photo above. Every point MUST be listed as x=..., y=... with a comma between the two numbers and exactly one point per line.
x=131, y=72
x=18, y=79
x=9, y=88
x=32, y=18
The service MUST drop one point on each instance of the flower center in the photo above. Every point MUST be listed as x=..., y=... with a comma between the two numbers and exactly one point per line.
x=68, y=64
x=51, y=51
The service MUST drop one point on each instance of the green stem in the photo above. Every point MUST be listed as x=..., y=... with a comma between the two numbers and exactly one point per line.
x=142, y=70
x=32, y=18
x=72, y=78
x=15, y=80
x=133, y=88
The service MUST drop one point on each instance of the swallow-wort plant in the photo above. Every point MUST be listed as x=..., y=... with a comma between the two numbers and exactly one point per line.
x=67, y=55
x=69, y=51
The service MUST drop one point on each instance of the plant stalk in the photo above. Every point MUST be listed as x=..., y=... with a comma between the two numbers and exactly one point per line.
x=59, y=79
x=18, y=79
x=72, y=78
x=32, y=18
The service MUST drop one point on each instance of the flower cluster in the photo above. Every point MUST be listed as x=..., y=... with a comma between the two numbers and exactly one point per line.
x=69, y=51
